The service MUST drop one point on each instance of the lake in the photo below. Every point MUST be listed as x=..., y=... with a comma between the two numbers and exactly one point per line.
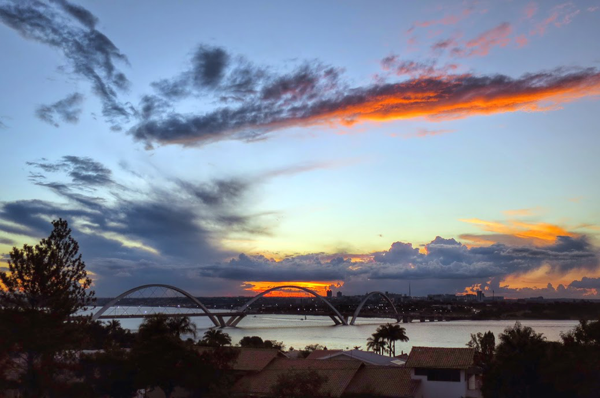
x=297, y=332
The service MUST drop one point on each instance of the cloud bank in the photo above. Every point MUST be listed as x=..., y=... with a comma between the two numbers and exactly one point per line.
x=171, y=231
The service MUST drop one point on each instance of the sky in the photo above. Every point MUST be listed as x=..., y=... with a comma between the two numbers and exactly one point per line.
x=228, y=147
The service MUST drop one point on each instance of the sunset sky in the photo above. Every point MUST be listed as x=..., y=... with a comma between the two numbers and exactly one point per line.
x=227, y=147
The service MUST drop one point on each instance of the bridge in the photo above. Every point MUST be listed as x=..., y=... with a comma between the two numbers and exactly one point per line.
x=233, y=318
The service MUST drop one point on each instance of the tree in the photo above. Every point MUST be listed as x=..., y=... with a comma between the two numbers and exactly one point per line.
x=391, y=333
x=517, y=367
x=44, y=287
x=49, y=277
x=252, y=342
x=161, y=359
x=109, y=373
x=300, y=384
x=484, y=345
x=376, y=344
x=215, y=338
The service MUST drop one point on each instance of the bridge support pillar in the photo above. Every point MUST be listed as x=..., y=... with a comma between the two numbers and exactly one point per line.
x=234, y=320
x=422, y=319
x=222, y=322
x=335, y=319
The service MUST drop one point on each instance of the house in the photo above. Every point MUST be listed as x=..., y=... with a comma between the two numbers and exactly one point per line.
x=369, y=358
x=377, y=381
x=338, y=375
x=344, y=378
x=445, y=372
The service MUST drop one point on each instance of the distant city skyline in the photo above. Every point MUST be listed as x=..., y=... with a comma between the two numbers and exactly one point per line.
x=230, y=147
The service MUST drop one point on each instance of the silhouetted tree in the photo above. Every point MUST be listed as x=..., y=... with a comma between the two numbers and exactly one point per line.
x=161, y=359
x=109, y=373
x=45, y=285
x=391, y=333
x=215, y=338
x=252, y=342
x=484, y=345
x=517, y=368
x=376, y=344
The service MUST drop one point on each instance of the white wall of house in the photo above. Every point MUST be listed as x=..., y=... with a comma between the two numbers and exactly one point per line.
x=442, y=389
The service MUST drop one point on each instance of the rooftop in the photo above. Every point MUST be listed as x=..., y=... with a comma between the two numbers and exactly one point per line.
x=383, y=382
x=338, y=373
x=366, y=357
x=438, y=357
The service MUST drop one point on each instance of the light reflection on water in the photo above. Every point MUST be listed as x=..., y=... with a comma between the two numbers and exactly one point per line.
x=297, y=332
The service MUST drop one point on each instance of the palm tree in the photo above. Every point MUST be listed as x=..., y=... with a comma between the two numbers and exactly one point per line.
x=216, y=338
x=182, y=325
x=376, y=344
x=391, y=333
x=113, y=326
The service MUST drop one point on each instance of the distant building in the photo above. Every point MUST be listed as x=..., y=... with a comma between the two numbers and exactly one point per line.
x=338, y=294
x=329, y=293
x=480, y=296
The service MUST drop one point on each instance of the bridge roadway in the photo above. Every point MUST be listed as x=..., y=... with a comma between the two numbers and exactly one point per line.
x=400, y=317
x=218, y=319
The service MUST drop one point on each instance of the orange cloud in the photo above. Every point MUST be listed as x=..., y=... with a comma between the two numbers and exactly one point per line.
x=516, y=232
x=481, y=45
x=320, y=287
x=540, y=277
x=560, y=15
x=460, y=96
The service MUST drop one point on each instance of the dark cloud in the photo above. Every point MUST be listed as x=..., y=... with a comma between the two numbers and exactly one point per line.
x=81, y=14
x=6, y=241
x=67, y=109
x=157, y=234
x=315, y=93
x=213, y=69
x=90, y=53
x=209, y=65
x=587, y=283
x=260, y=268
x=445, y=259
x=82, y=171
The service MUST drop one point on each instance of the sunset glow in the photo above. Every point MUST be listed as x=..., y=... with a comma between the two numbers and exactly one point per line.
x=452, y=148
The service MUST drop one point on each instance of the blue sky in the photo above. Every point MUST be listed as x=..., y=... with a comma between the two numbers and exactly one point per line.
x=226, y=147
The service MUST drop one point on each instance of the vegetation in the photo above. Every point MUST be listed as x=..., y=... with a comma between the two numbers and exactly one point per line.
x=525, y=365
x=257, y=342
x=45, y=286
x=215, y=338
x=385, y=337
x=484, y=345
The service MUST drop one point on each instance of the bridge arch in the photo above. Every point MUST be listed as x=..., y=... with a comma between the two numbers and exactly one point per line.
x=340, y=318
x=367, y=297
x=112, y=302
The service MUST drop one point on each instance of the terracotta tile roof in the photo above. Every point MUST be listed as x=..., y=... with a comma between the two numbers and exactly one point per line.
x=383, y=381
x=251, y=359
x=438, y=357
x=338, y=373
x=318, y=354
x=366, y=357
